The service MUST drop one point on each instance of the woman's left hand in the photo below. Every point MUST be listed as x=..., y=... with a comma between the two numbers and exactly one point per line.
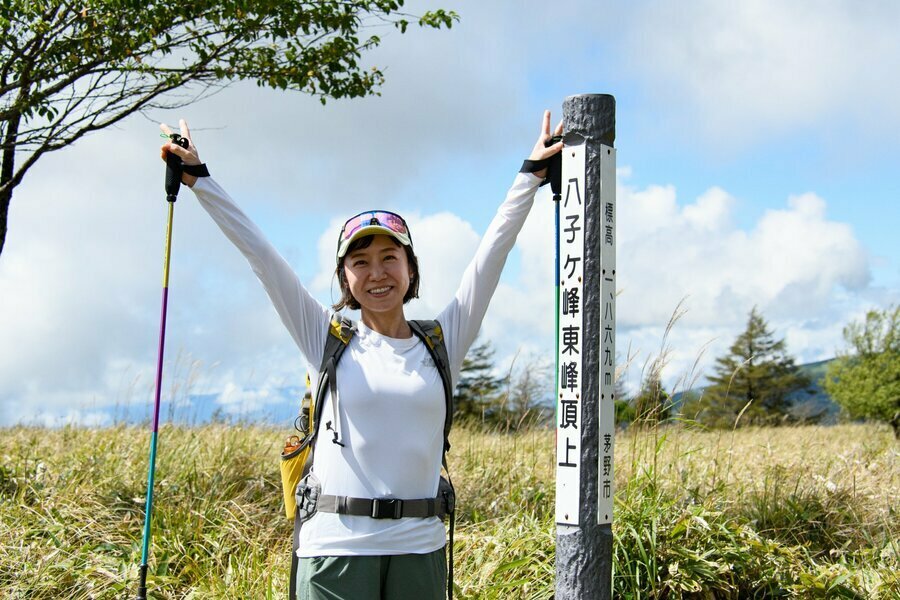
x=540, y=151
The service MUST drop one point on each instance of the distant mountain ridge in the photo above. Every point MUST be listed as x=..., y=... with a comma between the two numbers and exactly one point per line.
x=279, y=406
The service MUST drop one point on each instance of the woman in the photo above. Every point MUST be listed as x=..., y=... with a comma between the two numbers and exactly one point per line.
x=392, y=407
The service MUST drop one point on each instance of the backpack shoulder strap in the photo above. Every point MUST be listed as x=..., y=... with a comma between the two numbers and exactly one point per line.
x=340, y=332
x=431, y=334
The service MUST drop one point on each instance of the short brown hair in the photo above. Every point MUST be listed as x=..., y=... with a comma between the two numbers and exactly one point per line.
x=347, y=300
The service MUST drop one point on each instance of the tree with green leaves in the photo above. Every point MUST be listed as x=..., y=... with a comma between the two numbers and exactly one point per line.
x=479, y=388
x=865, y=379
x=68, y=69
x=755, y=379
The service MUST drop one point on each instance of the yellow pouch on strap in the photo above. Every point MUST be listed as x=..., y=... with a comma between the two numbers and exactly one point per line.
x=294, y=459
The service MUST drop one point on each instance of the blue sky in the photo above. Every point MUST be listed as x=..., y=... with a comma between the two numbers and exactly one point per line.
x=757, y=143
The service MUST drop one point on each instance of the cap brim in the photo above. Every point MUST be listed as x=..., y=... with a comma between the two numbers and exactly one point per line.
x=371, y=230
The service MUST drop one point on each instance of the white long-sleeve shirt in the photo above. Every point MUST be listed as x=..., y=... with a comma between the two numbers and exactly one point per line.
x=392, y=404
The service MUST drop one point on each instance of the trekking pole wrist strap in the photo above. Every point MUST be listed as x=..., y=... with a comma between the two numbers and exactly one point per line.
x=195, y=170
x=382, y=508
x=533, y=166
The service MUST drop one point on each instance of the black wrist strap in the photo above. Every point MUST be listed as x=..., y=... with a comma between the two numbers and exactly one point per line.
x=533, y=166
x=553, y=164
x=196, y=170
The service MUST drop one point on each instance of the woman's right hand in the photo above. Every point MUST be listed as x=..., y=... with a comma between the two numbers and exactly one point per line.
x=541, y=150
x=189, y=155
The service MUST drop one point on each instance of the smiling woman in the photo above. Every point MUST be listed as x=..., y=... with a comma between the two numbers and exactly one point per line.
x=372, y=528
x=376, y=262
x=377, y=277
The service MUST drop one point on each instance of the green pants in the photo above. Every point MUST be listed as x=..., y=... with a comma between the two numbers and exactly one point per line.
x=394, y=577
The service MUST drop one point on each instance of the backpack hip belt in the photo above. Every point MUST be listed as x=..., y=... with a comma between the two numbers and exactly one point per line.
x=383, y=508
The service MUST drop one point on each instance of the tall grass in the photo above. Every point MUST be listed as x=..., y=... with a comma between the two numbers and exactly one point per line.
x=800, y=512
x=758, y=513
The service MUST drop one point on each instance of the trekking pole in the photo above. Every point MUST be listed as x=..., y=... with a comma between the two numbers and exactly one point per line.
x=173, y=183
x=554, y=174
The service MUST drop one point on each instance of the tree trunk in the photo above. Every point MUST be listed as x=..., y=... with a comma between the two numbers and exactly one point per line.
x=7, y=169
x=5, y=197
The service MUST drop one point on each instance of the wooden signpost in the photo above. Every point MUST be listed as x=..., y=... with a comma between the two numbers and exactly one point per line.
x=586, y=326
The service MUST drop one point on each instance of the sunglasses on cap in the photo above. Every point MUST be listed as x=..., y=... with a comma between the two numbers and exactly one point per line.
x=372, y=222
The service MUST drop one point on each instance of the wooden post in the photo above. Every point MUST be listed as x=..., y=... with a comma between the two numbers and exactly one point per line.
x=586, y=350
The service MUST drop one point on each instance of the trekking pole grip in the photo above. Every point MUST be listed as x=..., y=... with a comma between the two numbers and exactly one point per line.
x=173, y=168
x=554, y=169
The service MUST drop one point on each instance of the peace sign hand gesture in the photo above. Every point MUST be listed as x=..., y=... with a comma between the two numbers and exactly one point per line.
x=189, y=155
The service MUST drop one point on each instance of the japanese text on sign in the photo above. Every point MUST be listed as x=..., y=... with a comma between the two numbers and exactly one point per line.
x=570, y=336
x=607, y=340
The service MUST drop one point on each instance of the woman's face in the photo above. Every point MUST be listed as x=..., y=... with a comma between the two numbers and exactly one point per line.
x=378, y=275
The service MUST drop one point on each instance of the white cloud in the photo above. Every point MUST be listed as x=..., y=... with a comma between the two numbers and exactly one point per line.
x=81, y=282
x=806, y=273
x=789, y=264
x=237, y=400
x=749, y=70
x=57, y=407
x=80, y=273
x=444, y=245
x=449, y=96
x=524, y=303
x=711, y=211
x=68, y=296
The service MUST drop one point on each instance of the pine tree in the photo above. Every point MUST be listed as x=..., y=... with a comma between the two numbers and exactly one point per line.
x=757, y=376
x=478, y=387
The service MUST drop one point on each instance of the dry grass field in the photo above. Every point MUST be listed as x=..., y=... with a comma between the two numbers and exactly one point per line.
x=801, y=512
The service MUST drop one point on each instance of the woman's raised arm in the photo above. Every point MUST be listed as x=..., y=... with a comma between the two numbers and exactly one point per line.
x=303, y=316
x=462, y=318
